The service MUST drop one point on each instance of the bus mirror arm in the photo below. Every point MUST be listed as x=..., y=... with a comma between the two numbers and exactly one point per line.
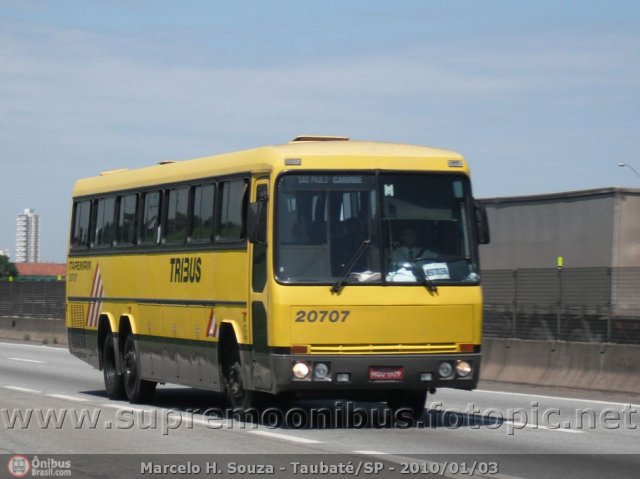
x=482, y=223
x=257, y=222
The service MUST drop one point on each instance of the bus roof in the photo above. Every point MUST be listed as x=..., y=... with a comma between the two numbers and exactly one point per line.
x=313, y=153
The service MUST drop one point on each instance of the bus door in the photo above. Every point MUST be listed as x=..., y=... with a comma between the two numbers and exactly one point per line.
x=258, y=289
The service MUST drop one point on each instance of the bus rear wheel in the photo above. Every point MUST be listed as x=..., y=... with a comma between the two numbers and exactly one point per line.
x=138, y=390
x=113, y=382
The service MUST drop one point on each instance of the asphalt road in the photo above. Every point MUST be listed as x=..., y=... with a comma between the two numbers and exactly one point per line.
x=54, y=404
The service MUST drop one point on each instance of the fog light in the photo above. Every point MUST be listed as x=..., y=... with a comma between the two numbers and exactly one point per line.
x=463, y=368
x=301, y=370
x=343, y=377
x=426, y=377
x=321, y=371
x=445, y=370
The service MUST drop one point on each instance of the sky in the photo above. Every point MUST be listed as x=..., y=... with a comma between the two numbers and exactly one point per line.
x=539, y=96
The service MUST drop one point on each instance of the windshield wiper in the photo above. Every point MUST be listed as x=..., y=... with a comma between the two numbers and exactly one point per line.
x=421, y=275
x=339, y=284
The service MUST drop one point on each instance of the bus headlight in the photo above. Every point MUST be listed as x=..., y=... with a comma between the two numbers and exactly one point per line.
x=321, y=371
x=301, y=370
x=445, y=370
x=463, y=368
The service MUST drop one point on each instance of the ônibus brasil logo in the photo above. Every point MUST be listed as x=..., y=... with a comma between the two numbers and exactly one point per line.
x=18, y=466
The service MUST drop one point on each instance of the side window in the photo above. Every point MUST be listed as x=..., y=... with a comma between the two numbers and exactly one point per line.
x=127, y=220
x=177, y=215
x=80, y=229
x=203, y=196
x=150, y=233
x=233, y=200
x=104, y=227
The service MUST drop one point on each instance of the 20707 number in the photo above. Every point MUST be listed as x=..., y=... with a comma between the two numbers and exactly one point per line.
x=312, y=316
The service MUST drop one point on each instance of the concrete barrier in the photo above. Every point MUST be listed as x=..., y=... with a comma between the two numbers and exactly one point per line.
x=42, y=330
x=596, y=366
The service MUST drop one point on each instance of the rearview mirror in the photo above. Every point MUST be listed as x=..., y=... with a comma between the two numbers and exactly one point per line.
x=482, y=223
x=257, y=222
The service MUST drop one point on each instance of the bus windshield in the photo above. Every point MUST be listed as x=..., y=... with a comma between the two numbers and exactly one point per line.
x=366, y=228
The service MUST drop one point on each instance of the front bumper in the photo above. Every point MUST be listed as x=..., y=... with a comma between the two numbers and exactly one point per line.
x=357, y=366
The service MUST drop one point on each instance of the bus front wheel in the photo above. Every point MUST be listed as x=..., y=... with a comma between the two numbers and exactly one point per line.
x=240, y=398
x=113, y=382
x=138, y=390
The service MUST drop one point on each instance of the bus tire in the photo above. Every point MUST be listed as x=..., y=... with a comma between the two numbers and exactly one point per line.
x=113, y=382
x=413, y=402
x=138, y=390
x=241, y=399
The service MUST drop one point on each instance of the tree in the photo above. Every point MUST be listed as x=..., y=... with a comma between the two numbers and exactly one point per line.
x=7, y=268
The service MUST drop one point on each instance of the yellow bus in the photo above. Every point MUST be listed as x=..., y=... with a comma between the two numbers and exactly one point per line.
x=320, y=268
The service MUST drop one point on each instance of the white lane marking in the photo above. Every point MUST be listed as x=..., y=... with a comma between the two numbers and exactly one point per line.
x=285, y=437
x=546, y=428
x=70, y=398
x=22, y=390
x=215, y=423
x=592, y=401
x=26, y=360
x=370, y=453
x=39, y=346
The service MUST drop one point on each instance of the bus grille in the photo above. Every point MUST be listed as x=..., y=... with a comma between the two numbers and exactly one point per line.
x=384, y=348
x=76, y=315
x=76, y=322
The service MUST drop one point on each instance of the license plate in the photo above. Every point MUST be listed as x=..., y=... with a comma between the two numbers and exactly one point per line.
x=386, y=374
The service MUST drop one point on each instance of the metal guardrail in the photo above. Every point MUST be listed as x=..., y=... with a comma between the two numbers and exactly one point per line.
x=579, y=304
x=39, y=300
